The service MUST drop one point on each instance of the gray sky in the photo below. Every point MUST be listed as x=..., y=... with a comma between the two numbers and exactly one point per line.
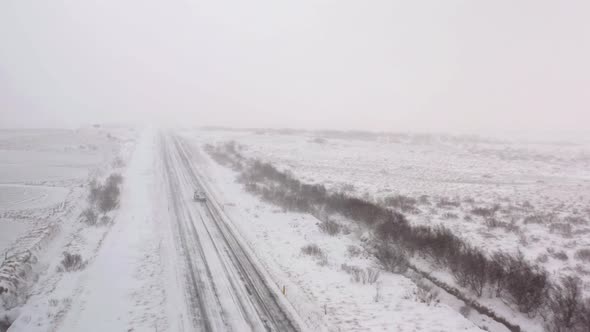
x=378, y=65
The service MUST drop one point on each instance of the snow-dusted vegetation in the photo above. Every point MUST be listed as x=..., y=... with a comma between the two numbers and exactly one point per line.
x=499, y=223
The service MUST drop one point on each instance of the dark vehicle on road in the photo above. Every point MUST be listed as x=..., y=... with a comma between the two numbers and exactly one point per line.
x=199, y=196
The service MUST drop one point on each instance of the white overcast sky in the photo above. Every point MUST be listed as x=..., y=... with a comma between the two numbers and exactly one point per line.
x=351, y=64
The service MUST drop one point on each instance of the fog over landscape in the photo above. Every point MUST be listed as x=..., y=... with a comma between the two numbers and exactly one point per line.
x=379, y=65
x=293, y=166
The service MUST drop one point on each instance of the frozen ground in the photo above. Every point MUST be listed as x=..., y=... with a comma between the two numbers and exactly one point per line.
x=167, y=263
x=321, y=292
x=43, y=177
x=542, y=187
x=539, y=191
x=41, y=172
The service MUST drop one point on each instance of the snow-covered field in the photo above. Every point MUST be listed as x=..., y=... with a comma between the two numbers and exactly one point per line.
x=41, y=172
x=43, y=185
x=320, y=289
x=149, y=266
x=541, y=188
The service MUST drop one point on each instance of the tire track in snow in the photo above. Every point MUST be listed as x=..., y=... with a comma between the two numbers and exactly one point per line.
x=222, y=273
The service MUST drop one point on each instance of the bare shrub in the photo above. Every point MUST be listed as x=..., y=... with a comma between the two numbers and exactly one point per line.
x=512, y=227
x=316, y=252
x=347, y=187
x=450, y=216
x=486, y=212
x=465, y=310
x=523, y=240
x=114, y=179
x=311, y=250
x=426, y=293
x=543, y=258
x=560, y=255
x=424, y=200
x=392, y=258
x=105, y=220
x=359, y=275
x=561, y=228
x=401, y=202
x=527, y=284
x=565, y=304
x=330, y=227
x=93, y=192
x=494, y=223
x=583, y=255
x=575, y=220
x=540, y=219
x=583, y=319
x=471, y=270
x=89, y=216
x=353, y=251
x=71, y=262
x=372, y=275
x=105, y=197
x=109, y=198
x=447, y=203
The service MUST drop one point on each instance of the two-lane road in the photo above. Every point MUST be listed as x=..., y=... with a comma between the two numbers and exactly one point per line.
x=226, y=289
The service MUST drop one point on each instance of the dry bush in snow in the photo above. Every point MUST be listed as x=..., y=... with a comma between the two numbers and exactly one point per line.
x=562, y=229
x=486, y=212
x=330, y=227
x=311, y=250
x=426, y=293
x=353, y=251
x=89, y=216
x=450, y=216
x=566, y=306
x=105, y=197
x=359, y=275
x=447, y=203
x=392, y=258
x=109, y=198
x=471, y=270
x=465, y=310
x=583, y=255
x=401, y=202
x=576, y=220
x=559, y=255
x=71, y=262
x=526, y=284
x=314, y=251
x=540, y=219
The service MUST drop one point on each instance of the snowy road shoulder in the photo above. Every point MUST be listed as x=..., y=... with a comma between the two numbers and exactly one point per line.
x=123, y=287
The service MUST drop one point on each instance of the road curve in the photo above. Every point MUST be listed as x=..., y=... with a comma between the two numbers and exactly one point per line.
x=226, y=290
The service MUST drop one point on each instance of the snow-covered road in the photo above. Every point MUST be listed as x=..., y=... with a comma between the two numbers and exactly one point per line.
x=227, y=289
x=166, y=263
